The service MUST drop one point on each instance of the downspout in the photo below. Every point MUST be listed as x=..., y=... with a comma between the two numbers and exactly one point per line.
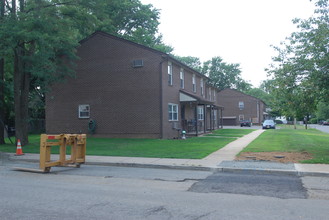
x=205, y=118
x=258, y=113
x=196, y=119
x=210, y=118
x=161, y=99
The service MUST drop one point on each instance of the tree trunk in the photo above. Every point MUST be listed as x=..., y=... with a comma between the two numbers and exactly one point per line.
x=306, y=121
x=2, y=102
x=2, y=81
x=21, y=95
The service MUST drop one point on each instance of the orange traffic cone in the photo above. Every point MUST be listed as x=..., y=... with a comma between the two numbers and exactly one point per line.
x=19, y=150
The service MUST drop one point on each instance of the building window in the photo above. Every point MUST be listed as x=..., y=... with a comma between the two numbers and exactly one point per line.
x=84, y=111
x=194, y=83
x=214, y=91
x=181, y=75
x=209, y=94
x=170, y=73
x=201, y=87
x=173, y=112
x=138, y=63
x=241, y=105
x=241, y=117
x=200, y=113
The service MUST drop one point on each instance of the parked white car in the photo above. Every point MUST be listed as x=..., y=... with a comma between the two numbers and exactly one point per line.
x=268, y=124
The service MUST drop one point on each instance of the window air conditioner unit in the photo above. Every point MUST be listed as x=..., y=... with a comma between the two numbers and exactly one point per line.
x=138, y=63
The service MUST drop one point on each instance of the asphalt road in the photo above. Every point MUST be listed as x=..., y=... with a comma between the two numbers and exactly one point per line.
x=99, y=192
x=320, y=127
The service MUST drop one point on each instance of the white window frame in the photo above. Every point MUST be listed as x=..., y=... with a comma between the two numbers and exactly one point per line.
x=172, y=112
x=241, y=105
x=200, y=113
x=84, y=111
x=241, y=117
x=194, y=83
x=201, y=87
x=170, y=73
x=182, y=81
x=209, y=93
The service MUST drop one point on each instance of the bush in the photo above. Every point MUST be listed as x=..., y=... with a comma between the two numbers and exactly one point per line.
x=279, y=122
x=313, y=121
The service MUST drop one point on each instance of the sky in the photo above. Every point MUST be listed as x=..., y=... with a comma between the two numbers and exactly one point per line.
x=239, y=31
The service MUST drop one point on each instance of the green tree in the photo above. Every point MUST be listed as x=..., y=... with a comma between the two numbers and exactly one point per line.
x=322, y=112
x=310, y=47
x=259, y=93
x=224, y=75
x=2, y=81
x=131, y=20
x=193, y=62
x=292, y=94
x=300, y=71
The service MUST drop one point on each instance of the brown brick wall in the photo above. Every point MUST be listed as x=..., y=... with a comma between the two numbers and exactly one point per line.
x=229, y=98
x=122, y=99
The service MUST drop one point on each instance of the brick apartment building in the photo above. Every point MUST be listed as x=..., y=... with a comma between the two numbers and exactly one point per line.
x=124, y=89
x=239, y=106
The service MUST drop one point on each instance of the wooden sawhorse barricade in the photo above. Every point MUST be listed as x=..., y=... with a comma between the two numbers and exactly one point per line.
x=77, y=142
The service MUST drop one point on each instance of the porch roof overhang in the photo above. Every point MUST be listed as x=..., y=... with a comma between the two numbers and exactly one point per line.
x=188, y=97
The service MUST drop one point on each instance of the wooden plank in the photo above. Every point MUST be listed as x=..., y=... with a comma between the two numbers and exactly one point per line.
x=54, y=137
x=52, y=164
x=43, y=148
x=52, y=143
x=31, y=170
x=78, y=160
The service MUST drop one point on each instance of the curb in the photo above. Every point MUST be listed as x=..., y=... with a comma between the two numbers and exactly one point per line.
x=200, y=168
x=156, y=166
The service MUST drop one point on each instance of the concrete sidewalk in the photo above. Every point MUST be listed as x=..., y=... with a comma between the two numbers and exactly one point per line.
x=221, y=160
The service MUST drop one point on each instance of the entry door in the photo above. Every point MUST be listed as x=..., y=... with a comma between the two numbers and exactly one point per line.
x=182, y=112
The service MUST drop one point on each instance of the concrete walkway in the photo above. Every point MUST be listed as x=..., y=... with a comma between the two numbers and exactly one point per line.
x=220, y=160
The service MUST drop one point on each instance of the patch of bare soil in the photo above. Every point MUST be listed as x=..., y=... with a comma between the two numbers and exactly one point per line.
x=282, y=157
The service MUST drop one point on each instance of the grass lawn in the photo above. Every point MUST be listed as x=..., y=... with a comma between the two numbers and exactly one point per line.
x=191, y=148
x=287, y=139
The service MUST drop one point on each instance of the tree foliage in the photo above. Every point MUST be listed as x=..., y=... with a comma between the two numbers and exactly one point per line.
x=221, y=74
x=300, y=73
x=322, y=112
x=192, y=62
x=224, y=75
x=2, y=80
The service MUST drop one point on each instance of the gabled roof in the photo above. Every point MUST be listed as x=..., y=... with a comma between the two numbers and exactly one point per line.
x=185, y=96
x=188, y=97
x=235, y=90
x=164, y=55
x=123, y=40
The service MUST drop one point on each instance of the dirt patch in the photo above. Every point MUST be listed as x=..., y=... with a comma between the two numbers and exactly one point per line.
x=282, y=157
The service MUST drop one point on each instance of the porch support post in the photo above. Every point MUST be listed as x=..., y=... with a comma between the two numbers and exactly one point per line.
x=205, y=118
x=210, y=118
x=196, y=119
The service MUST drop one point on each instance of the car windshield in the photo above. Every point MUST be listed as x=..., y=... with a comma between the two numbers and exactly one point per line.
x=269, y=122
